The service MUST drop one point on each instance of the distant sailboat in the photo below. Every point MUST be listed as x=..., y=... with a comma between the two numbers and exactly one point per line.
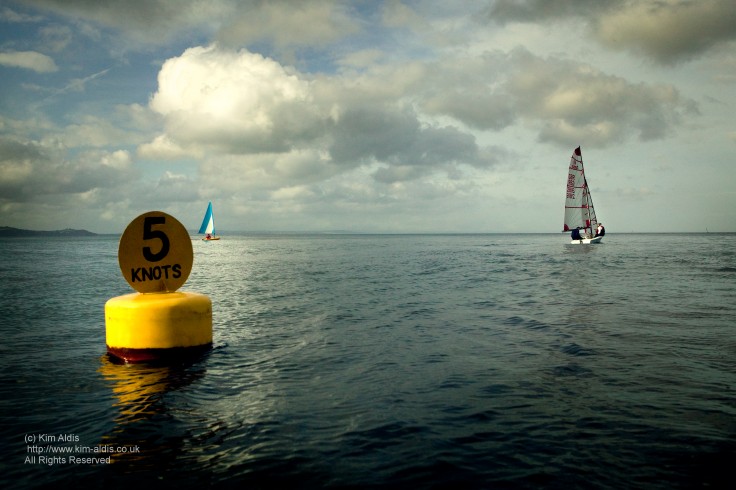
x=579, y=211
x=208, y=225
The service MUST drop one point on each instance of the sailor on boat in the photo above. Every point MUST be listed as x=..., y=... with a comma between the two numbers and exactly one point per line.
x=600, y=231
x=575, y=235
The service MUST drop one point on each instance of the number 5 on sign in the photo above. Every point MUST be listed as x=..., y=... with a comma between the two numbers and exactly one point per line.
x=155, y=253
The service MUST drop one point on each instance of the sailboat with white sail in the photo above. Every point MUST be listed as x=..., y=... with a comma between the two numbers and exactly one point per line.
x=580, y=219
x=208, y=225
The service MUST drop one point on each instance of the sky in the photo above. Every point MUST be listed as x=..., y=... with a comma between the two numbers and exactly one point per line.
x=367, y=116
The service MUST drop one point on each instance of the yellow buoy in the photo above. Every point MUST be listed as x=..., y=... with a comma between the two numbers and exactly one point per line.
x=157, y=323
x=152, y=326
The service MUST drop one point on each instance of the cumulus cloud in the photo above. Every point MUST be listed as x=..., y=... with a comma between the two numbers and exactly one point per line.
x=30, y=168
x=234, y=101
x=271, y=131
x=16, y=167
x=231, y=175
x=286, y=125
x=470, y=90
x=308, y=22
x=174, y=187
x=565, y=101
x=666, y=31
x=669, y=31
x=593, y=102
x=97, y=132
x=30, y=60
x=162, y=148
x=398, y=139
x=232, y=22
x=537, y=10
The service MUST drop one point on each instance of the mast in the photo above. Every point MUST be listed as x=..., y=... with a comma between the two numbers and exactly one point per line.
x=212, y=219
x=592, y=219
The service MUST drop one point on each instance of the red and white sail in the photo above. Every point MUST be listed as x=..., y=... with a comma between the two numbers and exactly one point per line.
x=579, y=212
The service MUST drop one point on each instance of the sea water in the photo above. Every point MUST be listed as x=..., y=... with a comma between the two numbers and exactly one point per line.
x=394, y=361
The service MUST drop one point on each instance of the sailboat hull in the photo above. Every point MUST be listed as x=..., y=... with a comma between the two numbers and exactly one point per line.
x=211, y=238
x=587, y=241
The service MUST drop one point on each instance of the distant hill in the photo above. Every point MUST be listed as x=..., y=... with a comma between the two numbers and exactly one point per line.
x=6, y=231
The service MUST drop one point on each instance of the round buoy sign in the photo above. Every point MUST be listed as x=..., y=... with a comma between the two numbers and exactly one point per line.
x=155, y=253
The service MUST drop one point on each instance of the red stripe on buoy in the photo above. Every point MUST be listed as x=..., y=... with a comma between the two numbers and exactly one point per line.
x=158, y=355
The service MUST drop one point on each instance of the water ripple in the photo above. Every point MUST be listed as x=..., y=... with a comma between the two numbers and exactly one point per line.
x=472, y=361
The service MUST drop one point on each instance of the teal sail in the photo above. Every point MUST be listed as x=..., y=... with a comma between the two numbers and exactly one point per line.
x=208, y=223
